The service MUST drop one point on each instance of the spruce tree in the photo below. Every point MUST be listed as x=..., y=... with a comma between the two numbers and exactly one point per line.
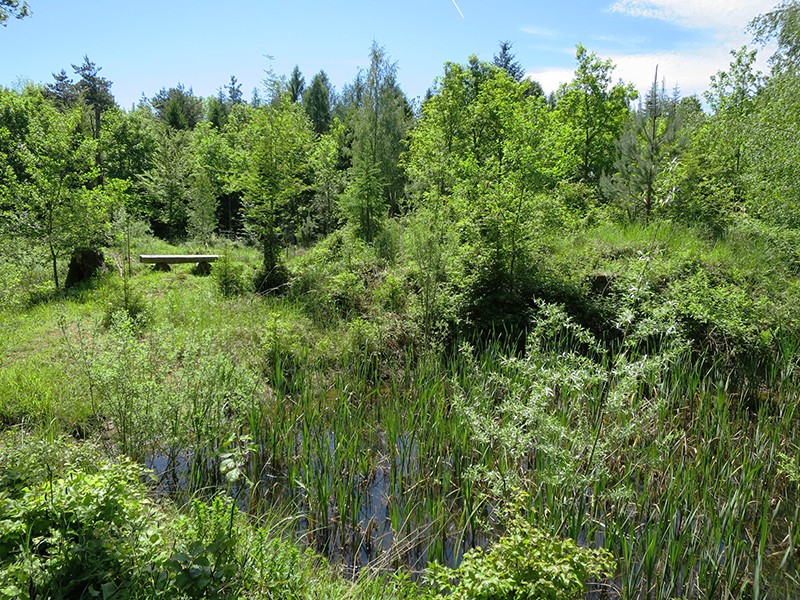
x=505, y=60
x=317, y=102
x=297, y=84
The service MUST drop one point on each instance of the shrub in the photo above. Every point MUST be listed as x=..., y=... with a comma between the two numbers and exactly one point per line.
x=524, y=563
x=76, y=531
x=229, y=276
x=125, y=302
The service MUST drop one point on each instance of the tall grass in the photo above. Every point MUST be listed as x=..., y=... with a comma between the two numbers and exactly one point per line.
x=390, y=458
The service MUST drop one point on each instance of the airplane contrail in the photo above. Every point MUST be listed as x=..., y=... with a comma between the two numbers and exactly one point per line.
x=458, y=9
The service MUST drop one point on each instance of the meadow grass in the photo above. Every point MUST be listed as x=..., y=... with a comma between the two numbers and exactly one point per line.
x=391, y=456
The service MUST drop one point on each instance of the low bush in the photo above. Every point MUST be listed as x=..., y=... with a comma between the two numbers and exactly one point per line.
x=525, y=563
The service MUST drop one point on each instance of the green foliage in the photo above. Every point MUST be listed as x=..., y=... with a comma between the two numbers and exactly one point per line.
x=95, y=93
x=524, y=563
x=363, y=206
x=229, y=276
x=126, y=303
x=781, y=24
x=73, y=530
x=278, y=141
x=379, y=123
x=128, y=144
x=648, y=146
x=594, y=111
x=167, y=184
x=329, y=180
x=177, y=107
x=48, y=164
x=202, y=209
x=317, y=101
x=478, y=160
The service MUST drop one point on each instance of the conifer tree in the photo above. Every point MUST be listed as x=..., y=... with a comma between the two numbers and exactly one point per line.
x=95, y=91
x=297, y=84
x=317, y=101
x=647, y=145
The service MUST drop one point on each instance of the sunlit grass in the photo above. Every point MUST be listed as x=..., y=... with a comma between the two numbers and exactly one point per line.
x=389, y=457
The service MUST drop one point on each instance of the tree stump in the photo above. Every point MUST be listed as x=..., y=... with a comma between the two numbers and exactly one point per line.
x=84, y=264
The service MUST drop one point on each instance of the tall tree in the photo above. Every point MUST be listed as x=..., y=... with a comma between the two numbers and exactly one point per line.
x=62, y=92
x=505, y=59
x=297, y=84
x=774, y=171
x=234, y=91
x=781, y=24
x=329, y=179
x=379, y=128
x=178, y=107
x=477, y=159
x=95, y=91
x=46, y=169
x=594, y=110
x=128, y=144
x=12, y=8
x=217, y=110
x=647, y=146
x=275, y=147
x=732, y=97
x=167, y=183
x=317, y=101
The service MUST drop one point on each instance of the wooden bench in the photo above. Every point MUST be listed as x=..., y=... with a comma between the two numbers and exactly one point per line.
x=162, y=262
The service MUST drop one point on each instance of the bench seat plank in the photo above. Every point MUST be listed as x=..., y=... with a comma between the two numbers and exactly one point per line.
x=177, y=258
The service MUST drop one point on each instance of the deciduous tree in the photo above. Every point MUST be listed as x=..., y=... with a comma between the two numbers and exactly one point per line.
x=594, y=110
x=277, y=145
x=47, y=164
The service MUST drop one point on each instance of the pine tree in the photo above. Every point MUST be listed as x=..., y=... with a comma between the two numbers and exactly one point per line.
x=234, y=91
x=178, y=107
x=95, y=91
x=62, y=92
x=648, y=144
x=297, y=84
x=505, y=60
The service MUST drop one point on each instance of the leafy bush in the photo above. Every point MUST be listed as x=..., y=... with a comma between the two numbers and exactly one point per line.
x=524, y=563
x=229, y=276
x=79, y=530
x=126, y=301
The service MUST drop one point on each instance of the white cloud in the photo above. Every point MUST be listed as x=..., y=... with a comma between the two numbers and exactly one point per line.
x=690, y=67
x=621, y=40
x=540, y=32
x=551, y=79
x=722, y=24
x=689, y=70
x=696, y=14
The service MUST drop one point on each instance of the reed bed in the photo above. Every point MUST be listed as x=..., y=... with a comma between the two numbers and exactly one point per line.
x=394, y=461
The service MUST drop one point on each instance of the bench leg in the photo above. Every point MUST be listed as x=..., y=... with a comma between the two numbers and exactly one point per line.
x=161, y=267
x=202, y=268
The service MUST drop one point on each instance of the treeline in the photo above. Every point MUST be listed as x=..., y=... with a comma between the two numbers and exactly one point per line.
x=475, y=173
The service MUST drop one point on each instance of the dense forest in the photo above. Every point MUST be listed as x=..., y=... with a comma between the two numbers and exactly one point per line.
x=493, y=343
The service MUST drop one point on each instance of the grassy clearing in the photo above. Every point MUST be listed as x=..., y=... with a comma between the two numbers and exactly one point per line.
x=325, y=404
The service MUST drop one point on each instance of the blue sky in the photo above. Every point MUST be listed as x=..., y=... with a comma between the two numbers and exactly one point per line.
x=147, y=45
